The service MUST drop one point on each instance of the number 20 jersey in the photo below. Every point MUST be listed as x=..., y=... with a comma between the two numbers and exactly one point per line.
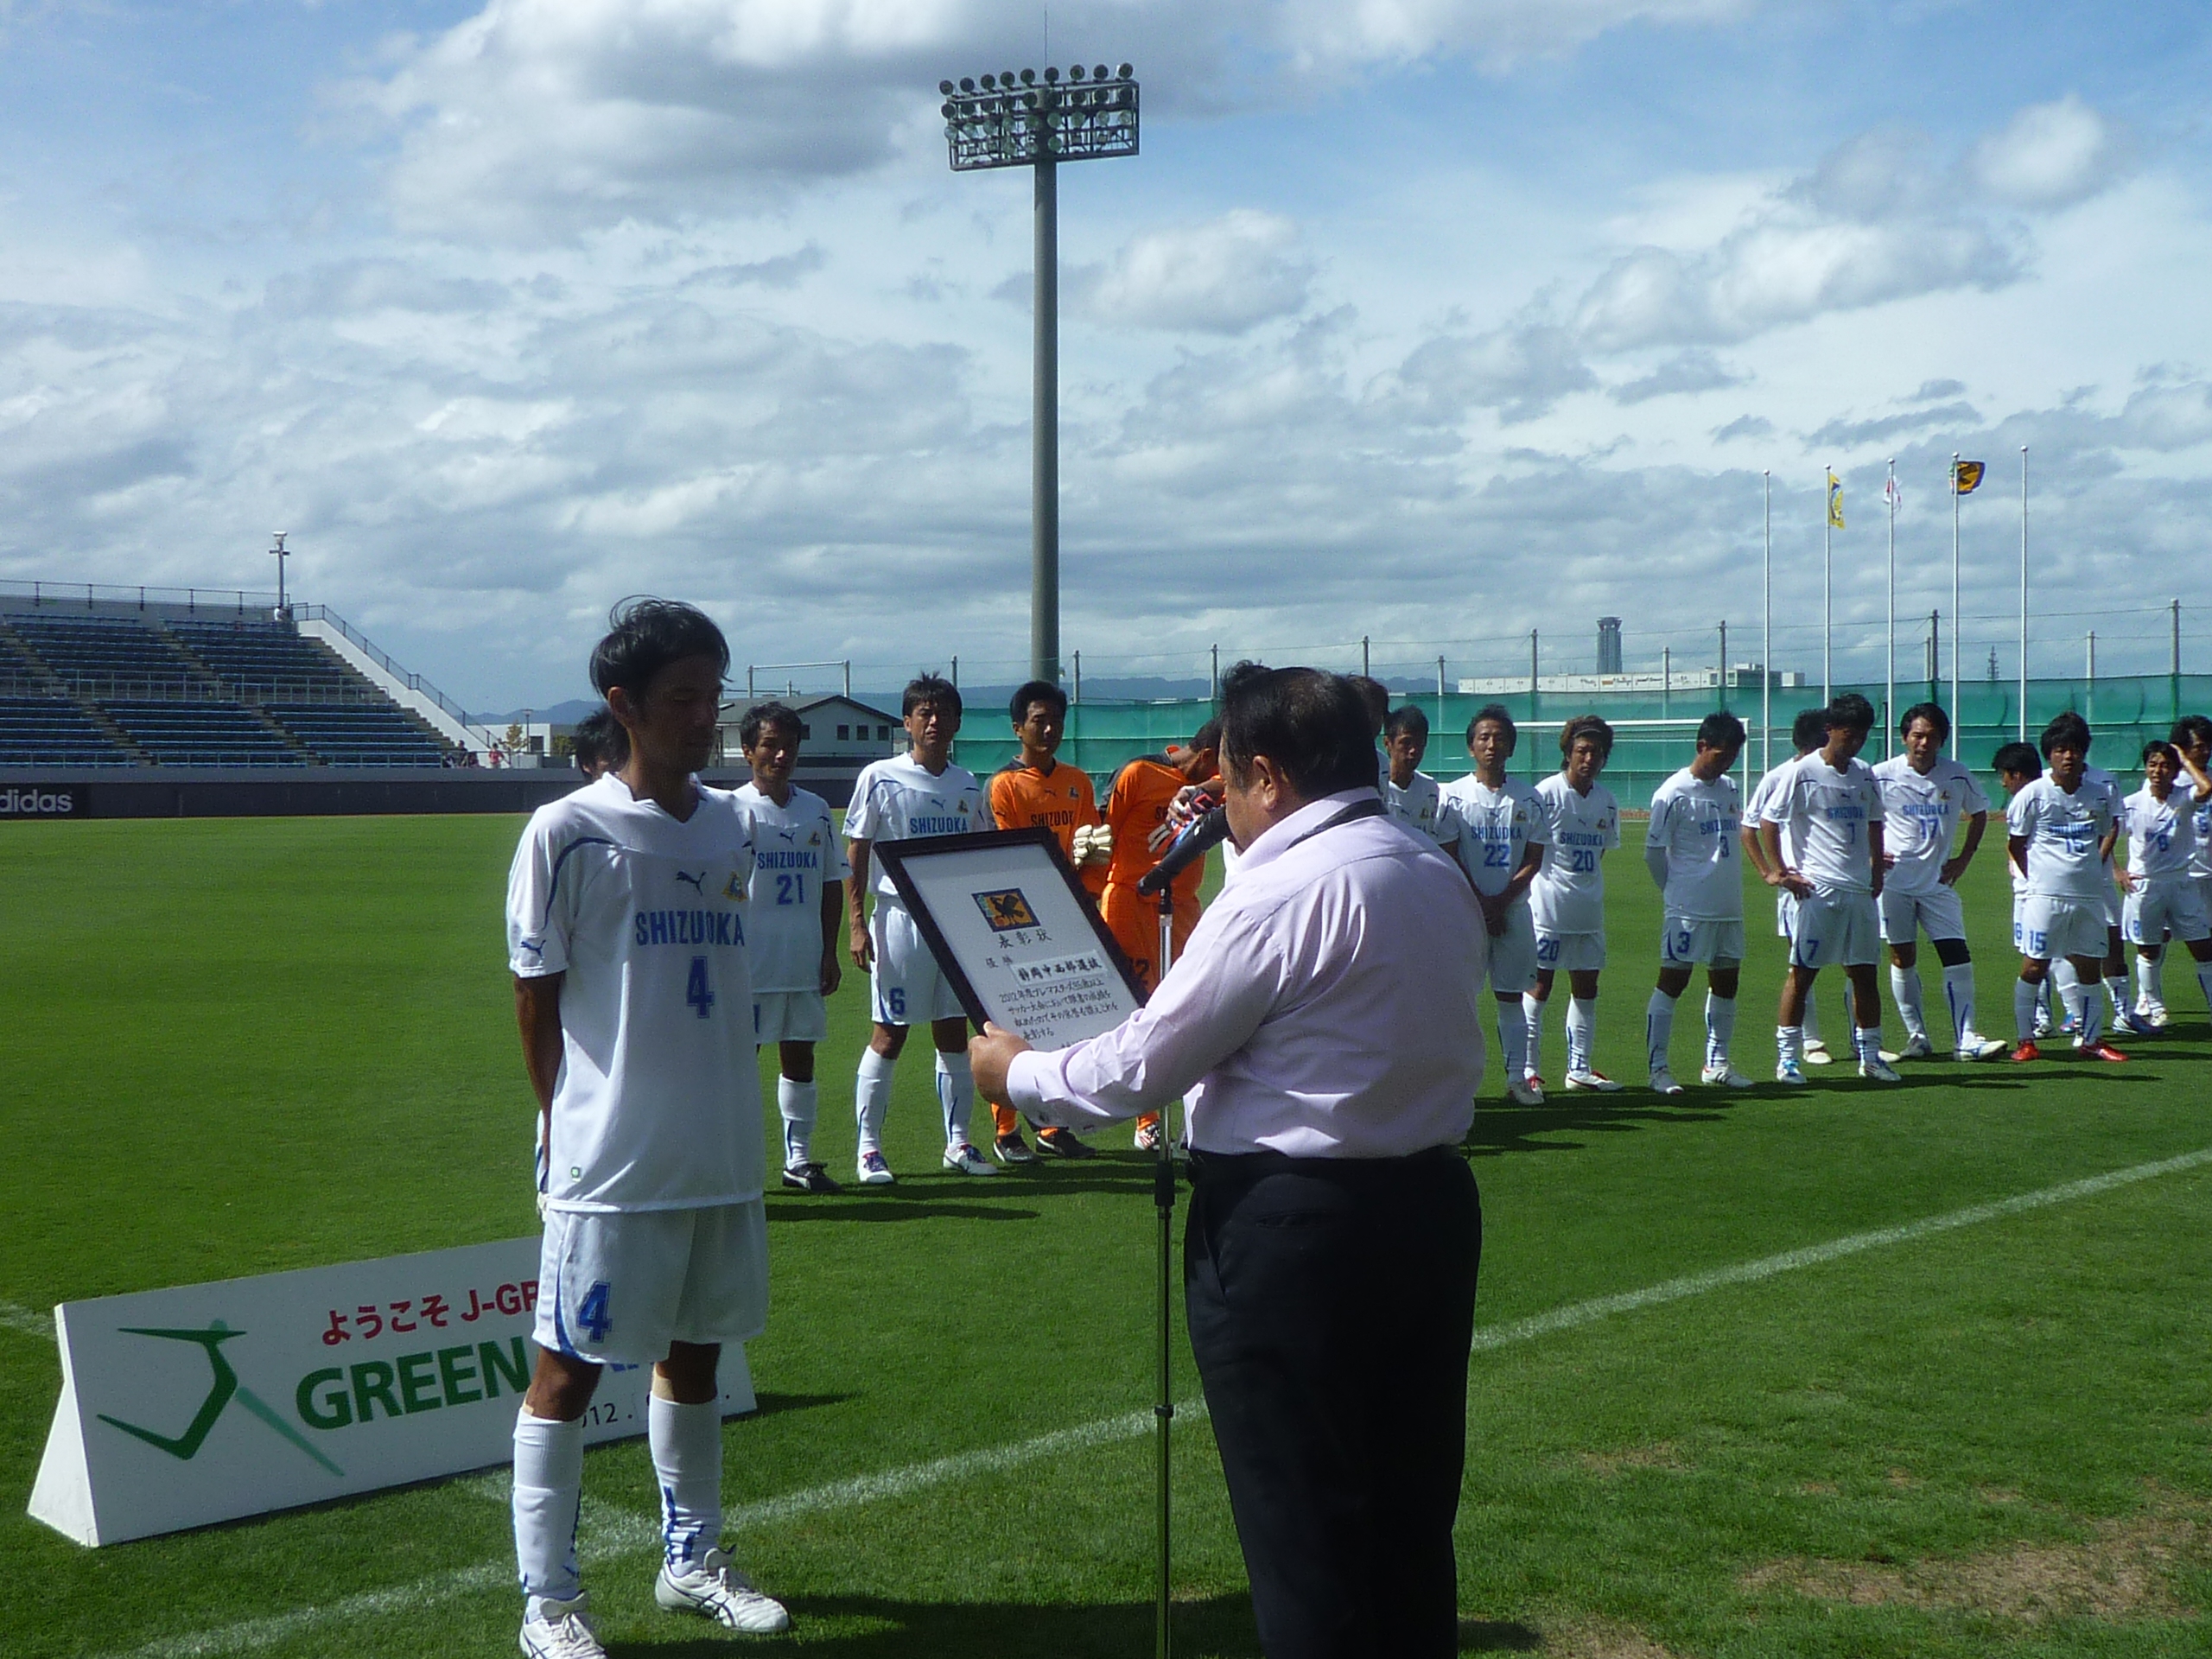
x=658, y=1103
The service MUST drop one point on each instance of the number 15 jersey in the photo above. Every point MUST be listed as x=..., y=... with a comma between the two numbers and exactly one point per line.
x=658, y=1102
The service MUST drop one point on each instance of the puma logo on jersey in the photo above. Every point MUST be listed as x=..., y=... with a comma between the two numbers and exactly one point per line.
x=698, y=881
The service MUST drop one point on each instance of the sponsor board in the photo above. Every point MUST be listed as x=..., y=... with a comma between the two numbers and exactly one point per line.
x=182, y=1408
x=44, y=801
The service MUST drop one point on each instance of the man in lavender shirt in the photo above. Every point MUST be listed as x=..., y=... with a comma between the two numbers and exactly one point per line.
x=1322, y=1022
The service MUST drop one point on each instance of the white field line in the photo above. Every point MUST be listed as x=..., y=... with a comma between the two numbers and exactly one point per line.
x=608, y=1533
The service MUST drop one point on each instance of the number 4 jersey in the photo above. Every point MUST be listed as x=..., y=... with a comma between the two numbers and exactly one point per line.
x=795, y=850
x=658, y=1103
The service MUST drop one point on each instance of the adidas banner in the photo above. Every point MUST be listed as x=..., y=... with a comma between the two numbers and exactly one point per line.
x=182, y=1408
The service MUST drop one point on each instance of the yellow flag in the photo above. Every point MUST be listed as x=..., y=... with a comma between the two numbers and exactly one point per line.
x=1835, y=502
x=1966, y=476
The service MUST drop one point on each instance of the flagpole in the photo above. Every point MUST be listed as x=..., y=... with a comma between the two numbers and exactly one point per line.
x=1889, y=684
x=1958, y=639
x=1828, y=587
x=2024, y=593
x=1766, y=622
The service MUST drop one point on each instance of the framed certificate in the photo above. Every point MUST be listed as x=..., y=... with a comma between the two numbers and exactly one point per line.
x=1013, y=929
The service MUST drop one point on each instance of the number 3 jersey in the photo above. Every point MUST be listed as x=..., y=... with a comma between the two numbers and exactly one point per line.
x=658, y=1102
x=795, y=851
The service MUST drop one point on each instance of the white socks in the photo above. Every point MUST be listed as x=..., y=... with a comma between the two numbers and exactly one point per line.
x=549, y=1488
x=1958, y=991
x=1719, y=1028
x=2151, y=980
x=2025, y=995
x=872, y=1097
x=2083, y=1001
x=1810, y=1025
x=956, y=1095
x=1513, y=1037
x=1581, y=1033
x=2116, y=991
x=1658, y=1030
x=687, y=1448
x=1904, y=991
x=1789, y=1043
x=1532, y=1011
x=1866, y=1042
x=797, y=1103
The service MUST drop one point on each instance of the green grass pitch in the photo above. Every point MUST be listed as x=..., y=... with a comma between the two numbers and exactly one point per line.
x=233, y=1047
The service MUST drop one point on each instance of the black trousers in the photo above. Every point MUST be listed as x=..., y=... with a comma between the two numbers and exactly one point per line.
x=1332, y=1309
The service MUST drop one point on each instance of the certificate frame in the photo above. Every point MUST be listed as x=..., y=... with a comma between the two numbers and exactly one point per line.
x=1036, y=948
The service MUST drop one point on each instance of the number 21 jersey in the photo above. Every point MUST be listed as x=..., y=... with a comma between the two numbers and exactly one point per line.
x=795, y=851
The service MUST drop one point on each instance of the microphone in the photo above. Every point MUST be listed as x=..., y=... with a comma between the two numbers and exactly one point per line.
x=1207, y=830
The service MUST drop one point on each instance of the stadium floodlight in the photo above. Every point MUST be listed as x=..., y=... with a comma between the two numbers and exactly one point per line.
x=1022, y=121
x=280, y=554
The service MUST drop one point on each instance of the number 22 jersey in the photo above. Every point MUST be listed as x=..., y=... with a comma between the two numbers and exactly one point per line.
x=658, y=1102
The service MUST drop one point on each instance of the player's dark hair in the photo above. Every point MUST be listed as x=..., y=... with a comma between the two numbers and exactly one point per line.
x=1720, y=730
x=1933, y=714
x=1037, y=691
x=2069, y=728
x=1503, y=716
x=2190, y=728
x=1809, y=730
x=1590, y=726
x=1407, y=718
x=2158, y=746
x=1376, y=696
x=599, y=737
x=1852, y=712
x=2016, y=760
x=1312, y=724
x=761, y=715
x=645, y=635
x=1208, y=736
x=931, y=688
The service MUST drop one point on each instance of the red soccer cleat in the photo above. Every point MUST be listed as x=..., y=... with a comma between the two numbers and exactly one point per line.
x=2102, y=1050
x=2026, y=1051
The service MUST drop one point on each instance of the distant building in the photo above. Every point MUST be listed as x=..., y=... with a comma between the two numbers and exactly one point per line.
x=1609, y=644
x=1744, y=676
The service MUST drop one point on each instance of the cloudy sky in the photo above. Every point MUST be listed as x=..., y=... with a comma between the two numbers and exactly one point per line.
x=1428, y=321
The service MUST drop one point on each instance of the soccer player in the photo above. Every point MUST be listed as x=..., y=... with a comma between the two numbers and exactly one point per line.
x=1583, y=823
x=1503, y=831
x=918, y=793
x=1924, y=794
x=1833, y=809
x=1691, y=851
x=1138, y=801
x=2116, y=959
x=599, y=744
x=2060, y=830
x=626, y=936
x=2016, y=765
x=1410, y=795
x=2160, y=821
x=1035, y=789
x=798, y=897
x=2192, y=740
x=1806, y=733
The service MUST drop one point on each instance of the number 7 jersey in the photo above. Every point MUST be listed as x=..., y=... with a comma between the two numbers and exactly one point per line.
x=658, y=1102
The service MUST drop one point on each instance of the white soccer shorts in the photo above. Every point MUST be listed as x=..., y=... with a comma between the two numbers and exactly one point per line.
x=617, y=1288
x=1836, y=928
x=2113, y=916
x=2165, y=905
x=1785, y=913
x=2050, y=928
x=906, y=986
x=790, y=1017
x=1570, y=953
x=1936, y=913
x=1684, y=942
x=1512, y=954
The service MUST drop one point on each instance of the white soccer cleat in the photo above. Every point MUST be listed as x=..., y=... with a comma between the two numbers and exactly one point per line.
x=966, y=1160
x=1525, y=1091
x=1790, y=1072
x=2155, y=1014
x=722, y=1594
x=872, y=1171
x=1726, y=1076
x=1662, y=1083
x=1876, y=1069
x=559, y=1629
x=1916, y=1047
x=1973, y=1045
x=1597, y=1081
x=1817, y=1054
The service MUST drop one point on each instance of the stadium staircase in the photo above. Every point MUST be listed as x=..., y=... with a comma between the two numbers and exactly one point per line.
x=104, y=689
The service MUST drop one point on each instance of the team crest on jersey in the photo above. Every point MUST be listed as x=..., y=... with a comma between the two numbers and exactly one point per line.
x=1005, y=910
x=733, y=889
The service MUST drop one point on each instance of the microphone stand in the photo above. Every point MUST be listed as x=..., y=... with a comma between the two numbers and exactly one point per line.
x=1163, y=1200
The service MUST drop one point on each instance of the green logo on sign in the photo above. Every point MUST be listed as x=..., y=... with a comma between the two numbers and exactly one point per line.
x=225, y=1389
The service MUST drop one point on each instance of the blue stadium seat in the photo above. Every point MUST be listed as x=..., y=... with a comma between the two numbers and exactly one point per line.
x=357, y=735
x=201, y=734
x=37, y=731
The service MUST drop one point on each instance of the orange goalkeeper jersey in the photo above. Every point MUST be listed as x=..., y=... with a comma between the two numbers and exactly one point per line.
x=1022, y=795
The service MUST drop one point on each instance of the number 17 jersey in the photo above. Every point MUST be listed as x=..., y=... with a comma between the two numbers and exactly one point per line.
x=658, y=1102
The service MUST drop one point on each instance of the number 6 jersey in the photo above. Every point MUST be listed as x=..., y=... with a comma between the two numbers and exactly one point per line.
x=658, y=1103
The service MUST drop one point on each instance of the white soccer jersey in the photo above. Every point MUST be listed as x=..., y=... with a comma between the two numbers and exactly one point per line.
x=2063, y=832
x=1421, y=806
x=900, y=799
x=2200, y=856
x=1697, y=824
x=2161, y=835
x=658, y=1103
x=2098, y=778
x=1496, y=827
x=1826, y=814
x=1923, y=814
x=1763, y=794
x=1569, y=891
x=795, y=850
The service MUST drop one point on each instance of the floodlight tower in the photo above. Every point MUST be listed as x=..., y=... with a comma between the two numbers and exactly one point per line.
x=281, y=553
x=1024, y=120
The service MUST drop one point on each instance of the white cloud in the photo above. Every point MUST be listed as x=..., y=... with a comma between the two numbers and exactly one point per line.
x=1520, y=371
x=1686, y=372
x=1222, y=276
x=2049, y=156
